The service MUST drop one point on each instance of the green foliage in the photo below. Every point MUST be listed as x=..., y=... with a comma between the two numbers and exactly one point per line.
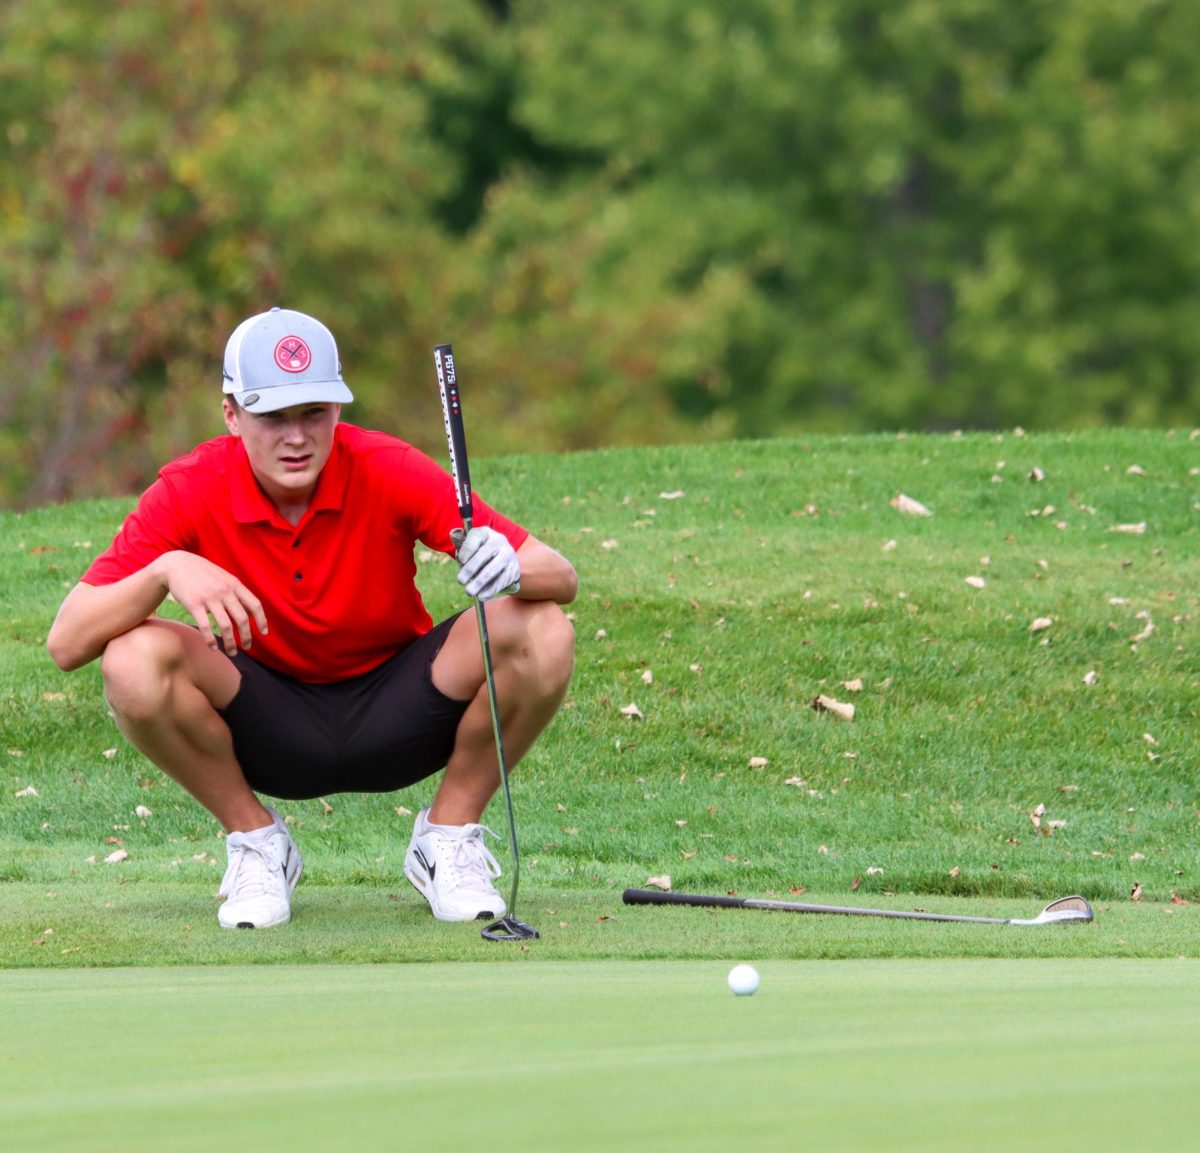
x=656, y=222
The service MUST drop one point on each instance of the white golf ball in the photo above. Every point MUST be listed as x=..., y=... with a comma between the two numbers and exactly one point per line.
x=743, y=980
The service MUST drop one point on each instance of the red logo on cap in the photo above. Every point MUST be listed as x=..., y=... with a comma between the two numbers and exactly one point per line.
x=292, y=354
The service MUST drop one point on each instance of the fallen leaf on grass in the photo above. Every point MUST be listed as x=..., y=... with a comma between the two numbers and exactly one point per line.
x=1090, y=677
x=632, y=712
x=143, y=812
x=676, y=495
x=839, y=709
x=854, y=884
x=909, y=506
x=30, y=791
x=759, y=762
x=1040, y=624
x=1135, y=894
x=1138, y=529
x=854, y=686
x=663, y=882
x=1176, y=899
x=116, y=857
x=976, y=582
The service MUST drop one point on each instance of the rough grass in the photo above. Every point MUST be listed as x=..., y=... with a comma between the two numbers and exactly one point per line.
x=723, y=588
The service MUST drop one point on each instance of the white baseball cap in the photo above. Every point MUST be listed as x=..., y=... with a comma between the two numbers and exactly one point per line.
x=280, y=358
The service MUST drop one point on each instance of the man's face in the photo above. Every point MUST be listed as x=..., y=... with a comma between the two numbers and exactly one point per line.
x=287, y=448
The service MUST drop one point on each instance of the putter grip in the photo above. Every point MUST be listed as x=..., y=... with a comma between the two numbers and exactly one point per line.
x=456, y=434
x=657, y=897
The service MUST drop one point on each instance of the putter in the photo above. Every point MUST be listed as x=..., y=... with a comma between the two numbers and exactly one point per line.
x=506, y=928
x=1064, y=911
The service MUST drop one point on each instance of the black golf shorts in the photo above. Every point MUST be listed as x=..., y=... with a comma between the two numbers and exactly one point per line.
x=371, y=734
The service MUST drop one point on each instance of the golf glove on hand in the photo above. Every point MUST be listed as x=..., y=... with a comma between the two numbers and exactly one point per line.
x=489, y=563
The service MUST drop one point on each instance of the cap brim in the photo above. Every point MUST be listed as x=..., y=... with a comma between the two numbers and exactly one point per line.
x=287, y=395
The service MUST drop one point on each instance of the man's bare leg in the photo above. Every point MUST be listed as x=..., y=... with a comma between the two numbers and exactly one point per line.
x=164, y=685
x=533, y=646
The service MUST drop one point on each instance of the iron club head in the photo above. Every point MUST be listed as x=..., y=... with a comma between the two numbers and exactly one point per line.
x=1064, y=910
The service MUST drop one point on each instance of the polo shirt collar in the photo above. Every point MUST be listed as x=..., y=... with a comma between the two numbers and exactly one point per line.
x=250, y=504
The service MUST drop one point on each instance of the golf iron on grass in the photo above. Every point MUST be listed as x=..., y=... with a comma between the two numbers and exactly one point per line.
x=506, y=928
x=1065, y=910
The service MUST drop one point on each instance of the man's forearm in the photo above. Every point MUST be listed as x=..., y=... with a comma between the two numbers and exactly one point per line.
x=91, y=615
x=546, y=575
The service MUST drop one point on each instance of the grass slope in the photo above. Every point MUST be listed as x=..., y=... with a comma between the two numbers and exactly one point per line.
x=722, y=588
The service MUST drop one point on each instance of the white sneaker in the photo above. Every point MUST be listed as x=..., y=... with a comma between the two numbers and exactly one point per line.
x=260, y=878
x=453, y=870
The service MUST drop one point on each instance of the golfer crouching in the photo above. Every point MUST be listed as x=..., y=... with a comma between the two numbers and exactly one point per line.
x=315, y=667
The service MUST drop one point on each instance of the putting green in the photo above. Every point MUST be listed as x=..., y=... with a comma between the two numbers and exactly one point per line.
x=830, y=1056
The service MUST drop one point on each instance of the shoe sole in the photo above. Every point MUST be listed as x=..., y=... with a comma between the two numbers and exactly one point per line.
x=256, y=924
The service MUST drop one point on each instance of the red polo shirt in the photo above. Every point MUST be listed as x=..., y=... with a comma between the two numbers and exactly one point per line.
x=338, y=589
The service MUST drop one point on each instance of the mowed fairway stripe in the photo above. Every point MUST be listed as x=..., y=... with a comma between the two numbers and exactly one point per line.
x=843, y=1055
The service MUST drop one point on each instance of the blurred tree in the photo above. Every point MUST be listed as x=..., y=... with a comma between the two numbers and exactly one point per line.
x=92, y=306
x=861, y=214
x=170, y=168
x=652, y=221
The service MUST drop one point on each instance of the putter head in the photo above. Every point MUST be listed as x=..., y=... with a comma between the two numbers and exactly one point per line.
x=509, y=929
x=1062, y=911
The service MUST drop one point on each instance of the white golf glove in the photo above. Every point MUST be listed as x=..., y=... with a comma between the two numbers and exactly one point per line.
x=489, y=563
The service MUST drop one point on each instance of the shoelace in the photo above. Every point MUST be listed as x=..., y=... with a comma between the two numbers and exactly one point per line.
x=472, y=859
x=252, y=870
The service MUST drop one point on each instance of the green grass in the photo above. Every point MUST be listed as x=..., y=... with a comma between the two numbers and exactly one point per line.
x=740, y=581
x=933, y=1056
x=723, y=588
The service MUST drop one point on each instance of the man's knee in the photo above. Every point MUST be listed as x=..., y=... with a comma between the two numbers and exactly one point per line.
x=137, y=668
x=556, y=638
x=539, y=632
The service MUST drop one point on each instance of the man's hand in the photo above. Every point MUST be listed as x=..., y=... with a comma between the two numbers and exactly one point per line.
x=489, y=563
x=221, y=605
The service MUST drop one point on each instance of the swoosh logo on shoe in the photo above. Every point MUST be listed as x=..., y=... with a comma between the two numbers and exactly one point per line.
x=428, y=865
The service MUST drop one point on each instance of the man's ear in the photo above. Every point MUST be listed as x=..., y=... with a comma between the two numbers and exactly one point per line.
x=229, y=410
